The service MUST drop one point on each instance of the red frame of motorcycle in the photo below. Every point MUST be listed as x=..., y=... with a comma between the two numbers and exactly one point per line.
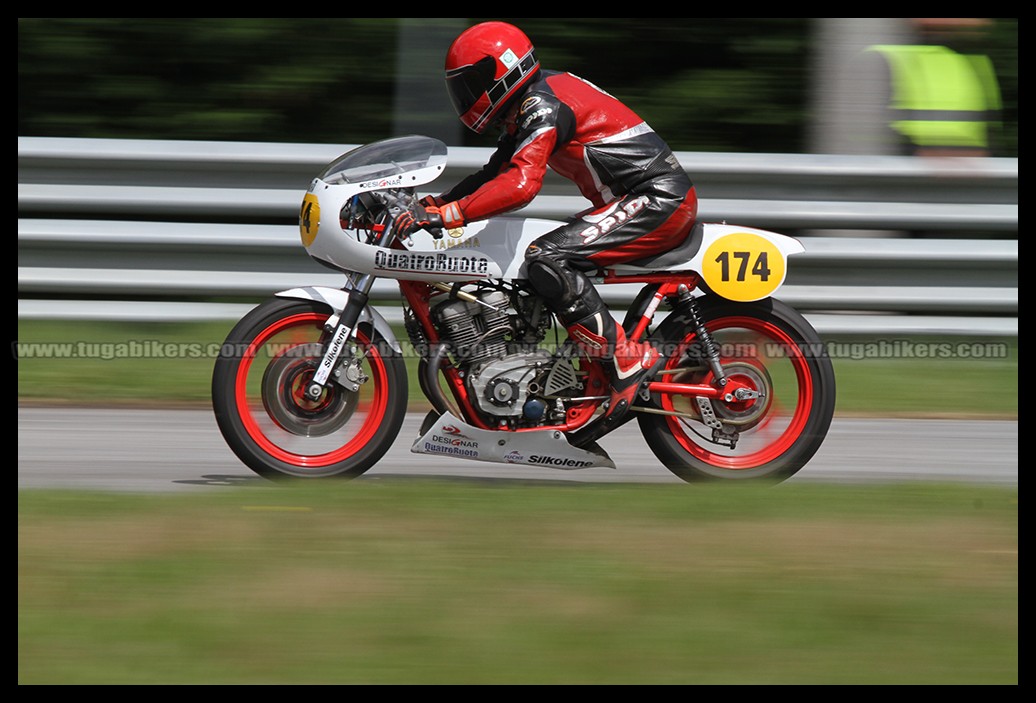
x=418, y=295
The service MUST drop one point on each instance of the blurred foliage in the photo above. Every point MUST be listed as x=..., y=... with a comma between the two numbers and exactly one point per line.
x=707, y=84
x=228, y=79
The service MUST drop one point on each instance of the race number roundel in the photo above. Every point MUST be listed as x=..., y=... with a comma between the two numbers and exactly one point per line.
x=309, y=219
x=743, y=266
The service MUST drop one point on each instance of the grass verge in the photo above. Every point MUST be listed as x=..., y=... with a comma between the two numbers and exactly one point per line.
x=393, y=582
x=171, y=363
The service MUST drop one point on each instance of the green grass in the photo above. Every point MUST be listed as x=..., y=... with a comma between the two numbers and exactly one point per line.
x=154, y=363
x=412, y=582
x=424, y=582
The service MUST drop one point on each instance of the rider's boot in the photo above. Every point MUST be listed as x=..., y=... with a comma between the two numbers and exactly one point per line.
x=628, y=364
x=595, y=332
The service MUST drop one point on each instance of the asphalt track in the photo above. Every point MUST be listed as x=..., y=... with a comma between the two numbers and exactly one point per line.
x=182, y=450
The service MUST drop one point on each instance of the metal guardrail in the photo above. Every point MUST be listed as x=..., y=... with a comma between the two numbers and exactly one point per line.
x=107, y=224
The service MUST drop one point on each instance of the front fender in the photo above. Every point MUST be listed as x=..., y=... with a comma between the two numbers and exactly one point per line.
x=336, y=299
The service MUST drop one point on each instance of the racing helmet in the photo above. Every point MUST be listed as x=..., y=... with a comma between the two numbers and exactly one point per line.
x=486, y=67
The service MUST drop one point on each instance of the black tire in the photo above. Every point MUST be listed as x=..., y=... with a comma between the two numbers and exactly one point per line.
x=272, y=428
x=766, y=346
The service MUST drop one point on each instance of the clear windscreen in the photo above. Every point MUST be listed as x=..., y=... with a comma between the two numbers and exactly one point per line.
x=390, y=157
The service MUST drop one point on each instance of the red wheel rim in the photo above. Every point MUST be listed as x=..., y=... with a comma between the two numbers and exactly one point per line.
x=798, y=417
x=377, y=404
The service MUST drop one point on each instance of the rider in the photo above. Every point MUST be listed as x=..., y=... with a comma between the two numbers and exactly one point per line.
x=643, y=202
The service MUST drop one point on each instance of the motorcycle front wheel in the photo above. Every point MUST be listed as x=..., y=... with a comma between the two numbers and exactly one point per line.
x=261, y=410
x=787, y=394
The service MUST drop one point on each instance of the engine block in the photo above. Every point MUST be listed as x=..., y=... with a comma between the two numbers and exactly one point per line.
x=477, y=330
x=501, y=387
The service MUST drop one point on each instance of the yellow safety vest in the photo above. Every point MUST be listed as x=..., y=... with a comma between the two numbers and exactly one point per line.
x=941, y=98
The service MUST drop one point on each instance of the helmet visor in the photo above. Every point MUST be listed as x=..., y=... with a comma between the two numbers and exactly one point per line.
x=466, y=85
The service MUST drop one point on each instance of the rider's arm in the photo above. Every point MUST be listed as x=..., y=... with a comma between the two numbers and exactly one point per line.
x=518, y=180
x=500, y=158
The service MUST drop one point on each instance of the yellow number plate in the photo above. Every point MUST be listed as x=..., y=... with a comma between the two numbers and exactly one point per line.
x=743, y=267
x=309, y=219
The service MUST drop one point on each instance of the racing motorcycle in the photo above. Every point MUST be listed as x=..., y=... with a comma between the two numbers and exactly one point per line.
x=314, y=382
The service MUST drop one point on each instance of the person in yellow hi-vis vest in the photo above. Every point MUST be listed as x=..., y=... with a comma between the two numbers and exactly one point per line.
x=943, y=102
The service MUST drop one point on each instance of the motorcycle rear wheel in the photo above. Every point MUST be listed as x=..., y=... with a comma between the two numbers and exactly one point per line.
x=766, y=348
x=265, y=418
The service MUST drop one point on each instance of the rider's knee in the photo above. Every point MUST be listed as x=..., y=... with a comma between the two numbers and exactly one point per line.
x=548, y=275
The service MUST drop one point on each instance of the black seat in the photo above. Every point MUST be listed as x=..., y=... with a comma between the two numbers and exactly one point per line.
x=674, y=257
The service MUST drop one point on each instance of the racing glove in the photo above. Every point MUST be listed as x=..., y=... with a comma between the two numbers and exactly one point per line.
x=421, y=217
x=432, y=200
x=449, y=211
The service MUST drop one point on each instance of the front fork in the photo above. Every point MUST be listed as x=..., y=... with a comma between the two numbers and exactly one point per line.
x=359, y=288
x=343, y=331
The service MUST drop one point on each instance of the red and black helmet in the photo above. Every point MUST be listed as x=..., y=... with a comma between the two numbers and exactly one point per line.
x=486, y=66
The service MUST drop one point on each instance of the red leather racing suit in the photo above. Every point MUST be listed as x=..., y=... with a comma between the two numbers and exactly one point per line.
x=643, y=201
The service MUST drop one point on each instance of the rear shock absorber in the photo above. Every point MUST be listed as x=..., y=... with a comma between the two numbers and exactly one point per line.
x=708, y=345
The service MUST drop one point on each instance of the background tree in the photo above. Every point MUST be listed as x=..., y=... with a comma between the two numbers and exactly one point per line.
x=707, y=84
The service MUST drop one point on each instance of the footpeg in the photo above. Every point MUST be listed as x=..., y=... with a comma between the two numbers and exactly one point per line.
x=708, y=415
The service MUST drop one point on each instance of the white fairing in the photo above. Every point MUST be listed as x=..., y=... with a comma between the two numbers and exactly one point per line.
x=740, y=263
x=337, y=299
x=452, y=437
x=496, y=249
x=713, y=233
x=490, y=249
